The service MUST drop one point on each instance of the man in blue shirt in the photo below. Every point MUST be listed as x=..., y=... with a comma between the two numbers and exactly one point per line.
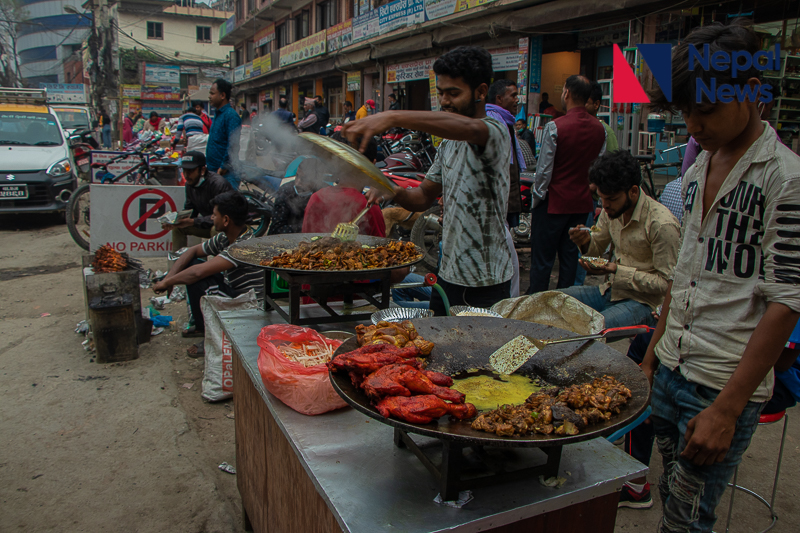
x=222, y=151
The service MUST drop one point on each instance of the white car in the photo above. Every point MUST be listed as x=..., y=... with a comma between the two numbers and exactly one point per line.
x=36, y=167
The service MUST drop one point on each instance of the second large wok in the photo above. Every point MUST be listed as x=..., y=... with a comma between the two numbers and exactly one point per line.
x=464, y=343
x=253, y=251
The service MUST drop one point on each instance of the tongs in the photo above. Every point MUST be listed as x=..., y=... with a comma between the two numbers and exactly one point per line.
x=348, y=231
x=516, y=352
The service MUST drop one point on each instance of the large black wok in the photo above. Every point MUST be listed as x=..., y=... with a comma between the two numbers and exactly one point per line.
x=464, y=343
x=253, y=251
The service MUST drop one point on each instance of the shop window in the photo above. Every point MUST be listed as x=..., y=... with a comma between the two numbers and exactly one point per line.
x=155, y=30
x=264, y=49
x=301, y=21
x=249, y=51
x=327, y=14
x=239, y=57
x=203, y=34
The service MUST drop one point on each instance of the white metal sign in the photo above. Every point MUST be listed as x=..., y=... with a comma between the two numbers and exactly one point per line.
x=126, y=218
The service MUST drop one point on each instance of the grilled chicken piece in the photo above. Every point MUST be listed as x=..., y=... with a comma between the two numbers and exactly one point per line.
x=421, y=409
x=386, y=382
x=439, y=379
x=418, y=382
x=370, y=358
x=424, y=346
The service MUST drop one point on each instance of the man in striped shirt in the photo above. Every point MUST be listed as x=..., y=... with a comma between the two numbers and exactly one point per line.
x=220, y=274
x=191, y=124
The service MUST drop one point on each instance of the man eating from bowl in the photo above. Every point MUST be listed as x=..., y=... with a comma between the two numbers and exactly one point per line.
x=645, y=238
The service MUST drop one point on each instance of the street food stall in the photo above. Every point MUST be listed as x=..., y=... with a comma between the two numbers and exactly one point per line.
x=354, y=470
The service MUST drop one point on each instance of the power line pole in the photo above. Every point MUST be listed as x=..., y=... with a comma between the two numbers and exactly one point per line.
x=105, y=69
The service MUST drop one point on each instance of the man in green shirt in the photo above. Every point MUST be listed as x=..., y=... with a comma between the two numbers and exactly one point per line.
x=593, y=106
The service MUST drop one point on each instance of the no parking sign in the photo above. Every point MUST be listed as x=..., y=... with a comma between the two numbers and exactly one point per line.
x=127, y=218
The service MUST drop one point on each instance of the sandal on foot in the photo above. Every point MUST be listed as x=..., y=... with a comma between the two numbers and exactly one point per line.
x=200, y=350
x=192, y=333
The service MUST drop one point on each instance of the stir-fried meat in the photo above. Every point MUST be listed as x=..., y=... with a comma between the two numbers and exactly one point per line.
x=330, y=253
x=558, y=411
x=392, y=333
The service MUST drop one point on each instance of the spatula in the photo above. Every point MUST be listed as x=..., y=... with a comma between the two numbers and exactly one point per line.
x=348, y=231
x=516, y=352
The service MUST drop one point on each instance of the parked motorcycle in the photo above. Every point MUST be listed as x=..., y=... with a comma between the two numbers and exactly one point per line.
x=82, y=143
x=522, y=233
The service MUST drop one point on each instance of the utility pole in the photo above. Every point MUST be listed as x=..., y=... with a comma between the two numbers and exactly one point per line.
x=105, y=71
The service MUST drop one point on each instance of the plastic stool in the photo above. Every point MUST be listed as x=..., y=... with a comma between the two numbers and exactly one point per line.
x=762, y=421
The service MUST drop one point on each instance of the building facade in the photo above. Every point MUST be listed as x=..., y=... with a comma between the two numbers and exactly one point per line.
x=51, y=36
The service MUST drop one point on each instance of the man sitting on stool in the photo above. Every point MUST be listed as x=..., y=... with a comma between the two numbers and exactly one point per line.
x=202, y=186
x=646, y=239
x=222, y=274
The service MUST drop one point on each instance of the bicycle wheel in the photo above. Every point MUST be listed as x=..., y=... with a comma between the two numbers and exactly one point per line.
x=427, y=234
x=257, y=219
x=78, y=211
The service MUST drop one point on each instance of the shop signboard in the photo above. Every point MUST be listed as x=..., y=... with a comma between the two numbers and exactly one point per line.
x=164, y=109
x=413, y=70
x=266, y=94
x=190, y=70
x=366, y=25
x=364, y=7
x=256, y=71
x=129, y=218
x=248, y=70
x=65, y=93
x=161, y=75
x=464, y=5
x=433, y=92
x=504, y=59
x=161, y=93
x=230, y=24
x=214, y=73
x=435, y=9
x=238, y=73
x=616, y=33
x=401, y=13
x=535, y=53
x=303, y=49
x=116, y=168
x=282, y=90
x=266, y=63
x=354, y=81
x=340, y=35
x=264, y=36
x=131, y=91
x=522, y=73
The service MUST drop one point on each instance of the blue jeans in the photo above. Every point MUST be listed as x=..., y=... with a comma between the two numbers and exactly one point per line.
x=106, y=135
x=617, y=314
x=407, y=297
x=690, y=493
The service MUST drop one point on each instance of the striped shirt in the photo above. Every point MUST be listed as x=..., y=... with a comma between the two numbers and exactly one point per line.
x=192, y=123
x=241, y=277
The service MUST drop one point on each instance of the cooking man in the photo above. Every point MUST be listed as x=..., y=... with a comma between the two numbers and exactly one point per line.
x=470, y=172
x=202, y=186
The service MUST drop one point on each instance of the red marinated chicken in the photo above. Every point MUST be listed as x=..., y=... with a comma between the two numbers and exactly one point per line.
x=386, y=382
x=422, y=409
x=370, y=358
x=439, y=379
x=418, y=382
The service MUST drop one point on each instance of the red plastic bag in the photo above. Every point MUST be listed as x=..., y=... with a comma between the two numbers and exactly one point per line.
x=306, y=390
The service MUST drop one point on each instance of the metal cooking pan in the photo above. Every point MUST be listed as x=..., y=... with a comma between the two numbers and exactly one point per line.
x=255, y=250
x=464, y=343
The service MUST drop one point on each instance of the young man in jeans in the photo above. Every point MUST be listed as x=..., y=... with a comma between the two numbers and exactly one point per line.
x=735, y=294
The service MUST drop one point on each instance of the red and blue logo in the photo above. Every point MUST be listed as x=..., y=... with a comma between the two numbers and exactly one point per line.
x=628, y=90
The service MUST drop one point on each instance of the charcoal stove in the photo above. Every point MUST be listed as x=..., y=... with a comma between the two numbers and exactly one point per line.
x=460, y=457
x=319, y=285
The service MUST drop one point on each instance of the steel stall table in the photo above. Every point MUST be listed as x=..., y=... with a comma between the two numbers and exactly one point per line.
x=342, y=472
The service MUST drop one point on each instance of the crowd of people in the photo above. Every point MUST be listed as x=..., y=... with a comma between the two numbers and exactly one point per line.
x=713, y=266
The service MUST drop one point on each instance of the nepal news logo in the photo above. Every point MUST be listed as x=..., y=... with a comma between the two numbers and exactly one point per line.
x=628, y=90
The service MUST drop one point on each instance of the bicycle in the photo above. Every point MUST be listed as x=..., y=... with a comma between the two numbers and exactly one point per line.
x=79, y=205
x=648, y=167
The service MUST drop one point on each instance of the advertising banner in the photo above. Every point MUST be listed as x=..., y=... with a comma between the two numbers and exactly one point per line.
x=401, y=13
x=264, y=36
x=256, y=68
x=238, y=73
x=504, y=59
x=128, y=218
x=248, y=70
x=366, y=26
x=131, y=91
x=435, y=9
x=413, y=70
x=432, y=87
x=535, y=53
x=354, y=81
x=522, y=70
x=161, y=93
x=340, y=35
x=161, y=75
x=65, y=93
x=303, y=49
x=163, y=109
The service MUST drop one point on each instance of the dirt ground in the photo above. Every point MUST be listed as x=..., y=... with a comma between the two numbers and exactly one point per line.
x=133, y=447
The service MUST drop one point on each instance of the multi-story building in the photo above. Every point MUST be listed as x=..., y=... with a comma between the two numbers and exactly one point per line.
x=49, y=37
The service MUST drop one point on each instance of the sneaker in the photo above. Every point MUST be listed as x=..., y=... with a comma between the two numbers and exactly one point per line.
x=636, y=500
